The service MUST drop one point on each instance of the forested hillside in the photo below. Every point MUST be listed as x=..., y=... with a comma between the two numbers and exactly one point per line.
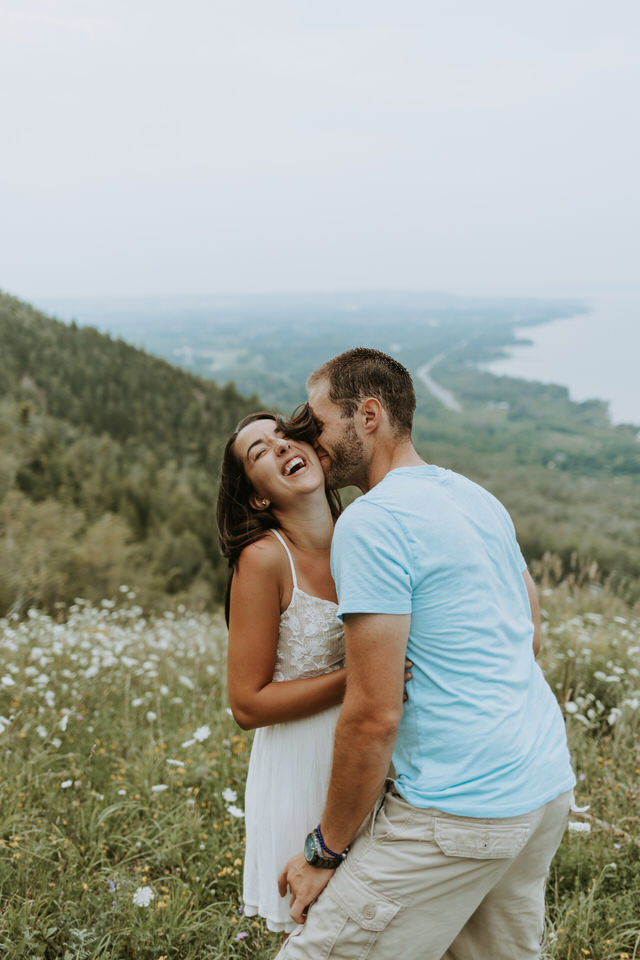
x=108, y=467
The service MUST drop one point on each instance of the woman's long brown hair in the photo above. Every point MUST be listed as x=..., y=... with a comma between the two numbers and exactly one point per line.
x=238, y=523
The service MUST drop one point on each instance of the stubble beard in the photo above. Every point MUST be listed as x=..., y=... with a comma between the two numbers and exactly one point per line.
x=347, y=460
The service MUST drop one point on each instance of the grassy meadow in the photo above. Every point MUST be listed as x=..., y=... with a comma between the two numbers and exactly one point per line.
x=121, y=790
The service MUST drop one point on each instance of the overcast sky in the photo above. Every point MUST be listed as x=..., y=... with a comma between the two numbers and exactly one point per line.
x=201, y=146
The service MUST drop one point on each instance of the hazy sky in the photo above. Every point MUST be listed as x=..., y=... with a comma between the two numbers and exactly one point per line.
x=202, y=146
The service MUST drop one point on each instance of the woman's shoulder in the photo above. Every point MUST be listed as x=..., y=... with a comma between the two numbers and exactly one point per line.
x=265, y=556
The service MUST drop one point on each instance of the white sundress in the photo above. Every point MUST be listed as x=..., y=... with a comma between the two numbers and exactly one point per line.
x=290, y=762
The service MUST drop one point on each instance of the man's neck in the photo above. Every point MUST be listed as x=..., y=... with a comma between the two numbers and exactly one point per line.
x=390, y=457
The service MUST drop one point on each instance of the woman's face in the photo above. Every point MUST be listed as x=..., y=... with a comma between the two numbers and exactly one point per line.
x=279, y=469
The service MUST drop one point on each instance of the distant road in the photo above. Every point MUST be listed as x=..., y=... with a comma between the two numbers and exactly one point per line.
x=445, y=396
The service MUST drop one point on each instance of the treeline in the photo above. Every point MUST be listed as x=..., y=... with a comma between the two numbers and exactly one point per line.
x=108, y=468
x=539, y=423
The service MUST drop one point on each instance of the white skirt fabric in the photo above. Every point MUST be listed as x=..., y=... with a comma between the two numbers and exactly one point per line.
x=286, y=790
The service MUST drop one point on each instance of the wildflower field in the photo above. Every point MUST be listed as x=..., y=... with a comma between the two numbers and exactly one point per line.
x=121, y=785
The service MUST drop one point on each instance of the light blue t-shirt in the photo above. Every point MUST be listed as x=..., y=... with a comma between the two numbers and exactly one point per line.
x=481, y=734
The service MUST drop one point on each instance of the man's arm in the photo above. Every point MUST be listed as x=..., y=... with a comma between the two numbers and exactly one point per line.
x=364, y=741
x=368, y=725
x=535, y=610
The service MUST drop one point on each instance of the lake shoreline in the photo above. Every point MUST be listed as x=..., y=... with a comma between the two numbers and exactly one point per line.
x=591, y=354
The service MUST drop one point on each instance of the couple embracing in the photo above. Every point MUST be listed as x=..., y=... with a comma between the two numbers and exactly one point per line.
x=432, y=791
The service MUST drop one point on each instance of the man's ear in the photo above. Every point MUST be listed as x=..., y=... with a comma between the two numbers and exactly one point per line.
x=372, y=413
x=258, y=503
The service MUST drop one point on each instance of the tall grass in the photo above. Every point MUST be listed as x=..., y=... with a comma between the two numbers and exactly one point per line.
x=121, y=829
x=591, y=656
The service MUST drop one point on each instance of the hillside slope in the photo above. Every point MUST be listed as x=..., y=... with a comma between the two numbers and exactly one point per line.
x=108, y=466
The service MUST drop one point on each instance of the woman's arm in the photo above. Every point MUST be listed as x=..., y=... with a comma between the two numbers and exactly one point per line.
x=254, y=620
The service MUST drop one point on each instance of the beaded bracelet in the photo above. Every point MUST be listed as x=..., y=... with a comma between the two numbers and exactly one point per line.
x=336, y=856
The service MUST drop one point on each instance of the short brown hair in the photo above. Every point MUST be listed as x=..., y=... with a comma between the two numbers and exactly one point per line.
x=363, y=372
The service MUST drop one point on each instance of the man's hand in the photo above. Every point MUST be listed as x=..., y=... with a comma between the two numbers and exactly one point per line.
x=306, y=884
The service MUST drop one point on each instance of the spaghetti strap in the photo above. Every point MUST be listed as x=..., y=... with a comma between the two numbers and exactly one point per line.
x=293, y=569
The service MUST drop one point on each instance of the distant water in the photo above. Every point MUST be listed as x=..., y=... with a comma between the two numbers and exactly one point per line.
x=596, y=355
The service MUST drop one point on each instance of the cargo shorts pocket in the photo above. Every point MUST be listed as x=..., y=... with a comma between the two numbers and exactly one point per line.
x=362, y=903
x=345, y=922
x=480, y=841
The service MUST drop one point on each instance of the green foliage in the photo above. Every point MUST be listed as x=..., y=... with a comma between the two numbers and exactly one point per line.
x=590, y=652
x=86, y=379
x=109, y=460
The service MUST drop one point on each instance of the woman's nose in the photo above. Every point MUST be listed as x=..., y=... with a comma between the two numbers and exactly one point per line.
x=282, y=444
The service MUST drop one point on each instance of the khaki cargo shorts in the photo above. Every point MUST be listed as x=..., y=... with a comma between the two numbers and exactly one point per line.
x=424, y=885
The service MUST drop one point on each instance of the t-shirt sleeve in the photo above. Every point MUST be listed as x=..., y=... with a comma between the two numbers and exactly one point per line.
x=371, y=562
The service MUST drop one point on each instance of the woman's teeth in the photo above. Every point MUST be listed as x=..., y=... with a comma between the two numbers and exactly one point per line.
x=293, y=465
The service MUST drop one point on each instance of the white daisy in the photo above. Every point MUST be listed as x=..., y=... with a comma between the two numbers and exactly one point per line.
x=577, y=827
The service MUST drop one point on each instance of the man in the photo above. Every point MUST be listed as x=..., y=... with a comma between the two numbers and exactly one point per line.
x=453, y=863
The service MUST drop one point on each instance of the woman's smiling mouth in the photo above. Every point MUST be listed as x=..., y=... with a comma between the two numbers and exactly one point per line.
x=294, y=465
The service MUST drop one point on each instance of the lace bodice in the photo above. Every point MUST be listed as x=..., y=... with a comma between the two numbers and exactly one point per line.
x=311, y=637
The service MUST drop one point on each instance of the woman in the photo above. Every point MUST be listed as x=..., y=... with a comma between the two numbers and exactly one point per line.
x=286, y=646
